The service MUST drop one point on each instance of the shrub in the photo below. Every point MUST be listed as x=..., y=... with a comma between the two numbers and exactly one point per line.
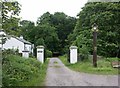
x=84, y=46
x=48, y=53
x=84, y=53
x=10, y=51
x=17, y=70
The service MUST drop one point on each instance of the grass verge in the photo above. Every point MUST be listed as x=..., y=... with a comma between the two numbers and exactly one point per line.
x=104, y=66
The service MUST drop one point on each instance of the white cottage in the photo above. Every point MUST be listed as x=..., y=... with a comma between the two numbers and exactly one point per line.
x=18, y=43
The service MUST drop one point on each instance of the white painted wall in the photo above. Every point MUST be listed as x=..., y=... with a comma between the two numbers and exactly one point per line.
x=25, y=54
x=40, y=54
x=28, y=47
x=14, y=43
x=73, y=54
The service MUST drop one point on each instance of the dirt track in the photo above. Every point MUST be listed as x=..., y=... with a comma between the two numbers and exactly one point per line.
x=59, y=75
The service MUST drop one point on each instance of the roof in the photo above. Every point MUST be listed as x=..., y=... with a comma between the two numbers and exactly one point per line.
x=18, y=38
x=23, y=40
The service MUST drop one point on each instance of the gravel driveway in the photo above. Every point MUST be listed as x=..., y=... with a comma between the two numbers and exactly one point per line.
x=59, y=75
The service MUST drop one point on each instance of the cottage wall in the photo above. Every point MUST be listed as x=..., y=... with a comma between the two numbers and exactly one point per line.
x=13, y=43
x=28, y=47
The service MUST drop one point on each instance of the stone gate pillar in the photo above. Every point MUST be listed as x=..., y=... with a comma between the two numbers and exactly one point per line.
x=40, y=53
x=73, y=54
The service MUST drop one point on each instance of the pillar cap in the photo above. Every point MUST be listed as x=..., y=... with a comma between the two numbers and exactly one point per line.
x=73, y=47
x=42, y=47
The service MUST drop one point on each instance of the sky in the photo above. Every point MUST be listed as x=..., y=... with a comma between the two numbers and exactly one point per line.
x=32, y=9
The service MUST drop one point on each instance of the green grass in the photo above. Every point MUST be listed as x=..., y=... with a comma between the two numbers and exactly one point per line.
x=0, y=75
x=56, y=66
x=112, y=59
x=104, y=66
x=55, y=62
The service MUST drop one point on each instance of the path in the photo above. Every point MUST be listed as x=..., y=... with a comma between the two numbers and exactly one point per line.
x=59, y=75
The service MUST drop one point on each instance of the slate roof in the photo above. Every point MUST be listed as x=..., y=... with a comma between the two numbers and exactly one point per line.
x=23, y=40
x=18, y=38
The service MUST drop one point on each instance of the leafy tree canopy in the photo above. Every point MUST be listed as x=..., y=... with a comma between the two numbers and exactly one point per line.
x=106, y=16
x=10, y=11
x=63, y=25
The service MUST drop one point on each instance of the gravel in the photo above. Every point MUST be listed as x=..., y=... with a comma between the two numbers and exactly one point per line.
x=59, y=75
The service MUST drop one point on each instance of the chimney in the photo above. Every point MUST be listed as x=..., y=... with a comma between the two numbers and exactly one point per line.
x=21, y=37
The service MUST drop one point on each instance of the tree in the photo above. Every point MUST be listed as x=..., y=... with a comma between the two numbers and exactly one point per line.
x=44, y=19
x=10, y=11
x=0, y=15
x=48, y=36
x=27, y=30
x=63, y=25
x=42, y=34
x=40, y=41
x=106, y=16
x=84, y=46
x=11, y=8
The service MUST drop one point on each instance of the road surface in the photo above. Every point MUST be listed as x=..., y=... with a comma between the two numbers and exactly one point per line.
x=59, y=75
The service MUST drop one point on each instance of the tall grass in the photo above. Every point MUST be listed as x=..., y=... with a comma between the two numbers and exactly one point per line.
x=104, y=66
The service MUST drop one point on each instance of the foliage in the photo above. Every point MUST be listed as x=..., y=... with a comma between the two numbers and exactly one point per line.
x=63, y=26
x=44, y=19
x=10, y=7
x=83, y=45
x=106, y=16
x=5, y=52
x=3, y=39
x=40, y=41
x=51, y=31
x=43, y=34
x=27, y=30
x=48, y=35
x=40, y=79
x=11, y=26
x=48, y=53
x=104, y=67
x=10, y=11
x=112, y=59
x=17, y=70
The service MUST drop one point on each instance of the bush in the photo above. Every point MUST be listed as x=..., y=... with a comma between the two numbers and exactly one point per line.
x=83, y=53
x=17, y=70
x=84, y=46
x=10, y=51
x=48, y=53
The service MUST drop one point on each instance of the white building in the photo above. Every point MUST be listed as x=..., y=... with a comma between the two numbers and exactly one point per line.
x=18, y=43
x=13, y=42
